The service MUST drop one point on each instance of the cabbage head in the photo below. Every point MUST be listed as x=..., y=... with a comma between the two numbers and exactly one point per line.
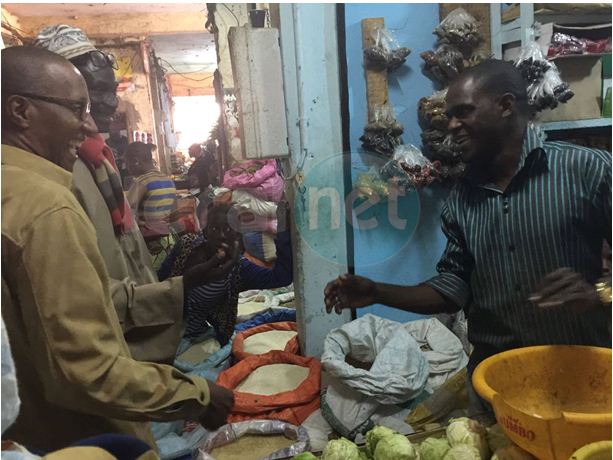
x=374, y=436
x=341, y=449
x=433, y=448
x=304, y=456
x=496, y=438
x=512, y=452
x=395, y=447
x=466, y=431
x=462, y=452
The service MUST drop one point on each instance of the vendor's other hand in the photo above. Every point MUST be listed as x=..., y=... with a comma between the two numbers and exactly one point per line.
x=216, y=413
x=213, y=269
x=349, y=291
x=565, y=287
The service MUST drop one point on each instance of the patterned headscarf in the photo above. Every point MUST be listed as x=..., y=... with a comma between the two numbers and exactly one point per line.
x=67, y=41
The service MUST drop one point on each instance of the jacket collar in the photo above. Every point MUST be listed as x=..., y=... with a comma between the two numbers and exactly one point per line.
x=13, y=156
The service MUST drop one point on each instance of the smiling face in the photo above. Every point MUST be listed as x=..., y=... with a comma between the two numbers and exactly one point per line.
x=100, y=78
x=475, y=119
x=61, y=130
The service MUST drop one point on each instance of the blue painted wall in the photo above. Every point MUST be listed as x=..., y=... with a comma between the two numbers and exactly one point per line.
x=379, y=253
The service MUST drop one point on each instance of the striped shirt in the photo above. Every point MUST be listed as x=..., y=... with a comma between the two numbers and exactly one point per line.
x=202, y=299
x=555, y=213
x=153, y=198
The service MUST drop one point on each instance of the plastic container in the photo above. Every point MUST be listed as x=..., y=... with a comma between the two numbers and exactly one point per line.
x=549, y=400
x=594, y=451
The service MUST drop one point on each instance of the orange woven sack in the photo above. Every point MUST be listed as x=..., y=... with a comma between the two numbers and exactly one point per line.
x=293, y=406
x=238, y=344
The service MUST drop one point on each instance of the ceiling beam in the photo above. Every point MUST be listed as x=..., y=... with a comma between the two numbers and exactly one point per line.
x=116, y=25
x=198, y=84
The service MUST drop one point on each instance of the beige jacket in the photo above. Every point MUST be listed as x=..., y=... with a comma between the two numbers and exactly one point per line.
x=76, y=378
x=150, y=312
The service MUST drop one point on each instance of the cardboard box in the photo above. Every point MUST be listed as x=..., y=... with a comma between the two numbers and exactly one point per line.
x=584, y=76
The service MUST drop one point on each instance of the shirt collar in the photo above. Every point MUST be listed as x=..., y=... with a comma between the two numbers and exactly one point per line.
x=533, y=146
x=532, y=152
x=13, y=156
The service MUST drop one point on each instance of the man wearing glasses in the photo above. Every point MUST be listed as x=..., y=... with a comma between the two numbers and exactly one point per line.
x=76, y=376
x=150, y=312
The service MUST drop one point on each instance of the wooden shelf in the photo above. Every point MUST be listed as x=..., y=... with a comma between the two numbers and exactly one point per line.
x=575, y=124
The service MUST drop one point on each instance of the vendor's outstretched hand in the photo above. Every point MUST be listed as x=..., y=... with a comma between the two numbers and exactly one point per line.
x=349, y=291
x=564, y=287
x=217, y=267
x=219, y=408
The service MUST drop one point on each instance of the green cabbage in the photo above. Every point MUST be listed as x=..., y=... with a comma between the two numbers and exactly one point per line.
x=304, y=456
x=374, y=436
x=341, y=449
x=496, y=438
x=462, y=452
x=466, y=431
x=512, y=452
x=433, y=448
x=395, y=447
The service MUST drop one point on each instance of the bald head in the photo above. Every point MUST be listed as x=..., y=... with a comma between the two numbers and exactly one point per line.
x=45, y=104
x=35, y=70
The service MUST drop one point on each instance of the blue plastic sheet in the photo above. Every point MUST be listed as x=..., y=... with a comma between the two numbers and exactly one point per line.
x=210, y=367
x=276, y=316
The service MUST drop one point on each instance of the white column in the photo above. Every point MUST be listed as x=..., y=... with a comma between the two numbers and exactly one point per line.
x=312, y=94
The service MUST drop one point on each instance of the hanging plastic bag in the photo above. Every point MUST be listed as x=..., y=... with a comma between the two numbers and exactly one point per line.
x=549, y=92
x=561, y=90
x=532, y=62
x=459, y=28
x=432, y=111
x=546, y=88
x=231, y=433
x=382, y=133
x=371, y=184
x=445, y=63
x=387, y=53
x=418, y=170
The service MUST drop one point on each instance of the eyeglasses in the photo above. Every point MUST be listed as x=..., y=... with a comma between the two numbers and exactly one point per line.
x=101, y=59
x=79, y=108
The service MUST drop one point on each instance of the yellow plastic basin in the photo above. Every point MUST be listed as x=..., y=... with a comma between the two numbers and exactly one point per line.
x=595, y=451
x=550, y=400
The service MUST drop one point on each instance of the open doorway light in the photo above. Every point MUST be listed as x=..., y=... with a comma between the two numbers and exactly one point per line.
x=194, y=117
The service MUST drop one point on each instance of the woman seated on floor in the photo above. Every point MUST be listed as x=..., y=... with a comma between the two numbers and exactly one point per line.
x=216, y=303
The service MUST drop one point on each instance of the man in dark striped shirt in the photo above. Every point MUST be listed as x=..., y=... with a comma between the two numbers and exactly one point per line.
x=525, y=229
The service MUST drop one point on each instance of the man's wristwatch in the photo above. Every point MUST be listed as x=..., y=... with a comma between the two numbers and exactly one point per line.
x=603, y=288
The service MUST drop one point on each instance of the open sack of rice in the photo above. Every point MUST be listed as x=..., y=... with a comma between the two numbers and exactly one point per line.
x=264, y=338
x=255, y=439
x=274, y=386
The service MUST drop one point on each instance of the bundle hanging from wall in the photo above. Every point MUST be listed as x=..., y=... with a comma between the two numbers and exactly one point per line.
x=382, y=54
x=545, y=86
x=458, y=40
